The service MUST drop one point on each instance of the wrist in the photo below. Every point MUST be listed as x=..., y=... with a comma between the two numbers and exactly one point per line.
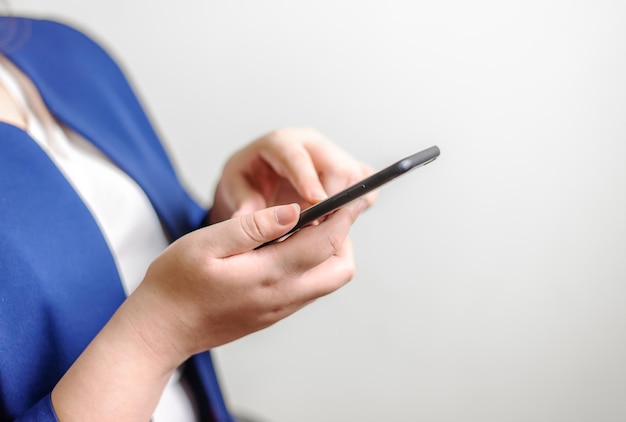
x=155, y=327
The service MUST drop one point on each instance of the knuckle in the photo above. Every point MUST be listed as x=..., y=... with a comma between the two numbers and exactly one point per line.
x=295, y=155
x=278, y=311
x=310, y=131
x=278, y=135
x=287, y=134
x=349, y=271
x=334, y=242
x=343, y=274
x=252, y=228
x=273, y=310
x=268, y=283
x=268, y=319
x=293, y=270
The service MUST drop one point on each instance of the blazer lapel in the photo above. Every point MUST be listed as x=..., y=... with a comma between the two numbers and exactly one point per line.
x=84, y=88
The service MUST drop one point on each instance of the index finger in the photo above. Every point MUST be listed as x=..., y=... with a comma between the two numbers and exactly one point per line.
x=293, y=161
x=315, y=244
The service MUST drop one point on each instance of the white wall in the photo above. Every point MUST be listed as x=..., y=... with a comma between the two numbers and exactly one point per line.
x=491, y=284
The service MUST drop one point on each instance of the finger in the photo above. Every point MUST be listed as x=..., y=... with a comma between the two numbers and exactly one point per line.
x=254, y=201
x=287, y=294
x=327, y=277
x=336, y=179
x=242, y=197
x=294, y=293
x=337, y=170
x=244, y=233
x=293, y=162
x=313, y=245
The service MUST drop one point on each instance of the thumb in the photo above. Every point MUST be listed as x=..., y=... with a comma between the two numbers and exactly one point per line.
x=244, y=233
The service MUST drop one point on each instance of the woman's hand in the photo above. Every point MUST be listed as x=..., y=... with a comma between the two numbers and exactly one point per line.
x=211, y=286
x=284, y=166
x=208, y=288
x=218, y=288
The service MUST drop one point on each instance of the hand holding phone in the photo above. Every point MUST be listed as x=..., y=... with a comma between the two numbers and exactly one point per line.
x=359, y=189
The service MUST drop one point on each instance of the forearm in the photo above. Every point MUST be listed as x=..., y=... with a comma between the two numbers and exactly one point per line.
x=120, y=376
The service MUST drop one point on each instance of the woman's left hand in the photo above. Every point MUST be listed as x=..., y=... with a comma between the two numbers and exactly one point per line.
x=287, y=165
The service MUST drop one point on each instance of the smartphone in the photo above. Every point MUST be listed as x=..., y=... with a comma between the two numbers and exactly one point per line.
x=366, y=185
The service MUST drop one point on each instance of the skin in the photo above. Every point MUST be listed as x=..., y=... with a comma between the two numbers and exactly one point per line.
x=287, y=165
x=9, y=111
x=211, y=286
x=229, y=291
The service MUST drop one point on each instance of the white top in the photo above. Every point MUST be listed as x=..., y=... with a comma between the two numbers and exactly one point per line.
x=123, y=212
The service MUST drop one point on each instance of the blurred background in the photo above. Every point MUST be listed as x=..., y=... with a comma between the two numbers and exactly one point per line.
x=491, y=284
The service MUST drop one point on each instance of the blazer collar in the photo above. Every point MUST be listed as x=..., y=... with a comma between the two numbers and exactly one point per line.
x=86, y=90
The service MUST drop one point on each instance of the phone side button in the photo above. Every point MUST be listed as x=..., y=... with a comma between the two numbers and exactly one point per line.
x=355, y=192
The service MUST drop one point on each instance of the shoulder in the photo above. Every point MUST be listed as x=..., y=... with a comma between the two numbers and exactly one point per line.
x=60, y=52
x=46, y=36
x=15, y=30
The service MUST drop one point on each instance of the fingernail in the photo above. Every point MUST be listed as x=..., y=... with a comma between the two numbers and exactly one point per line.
x=287, y=214
x=319, y=195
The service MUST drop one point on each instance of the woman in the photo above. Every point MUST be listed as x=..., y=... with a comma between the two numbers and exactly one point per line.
x=100, y=318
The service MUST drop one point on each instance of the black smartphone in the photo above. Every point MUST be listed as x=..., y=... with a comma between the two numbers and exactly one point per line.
x=366, y=185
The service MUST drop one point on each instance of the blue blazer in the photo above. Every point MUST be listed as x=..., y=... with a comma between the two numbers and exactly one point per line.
x=58, y=282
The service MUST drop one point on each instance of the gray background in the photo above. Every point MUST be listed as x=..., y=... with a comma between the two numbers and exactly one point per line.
x=491, y=284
